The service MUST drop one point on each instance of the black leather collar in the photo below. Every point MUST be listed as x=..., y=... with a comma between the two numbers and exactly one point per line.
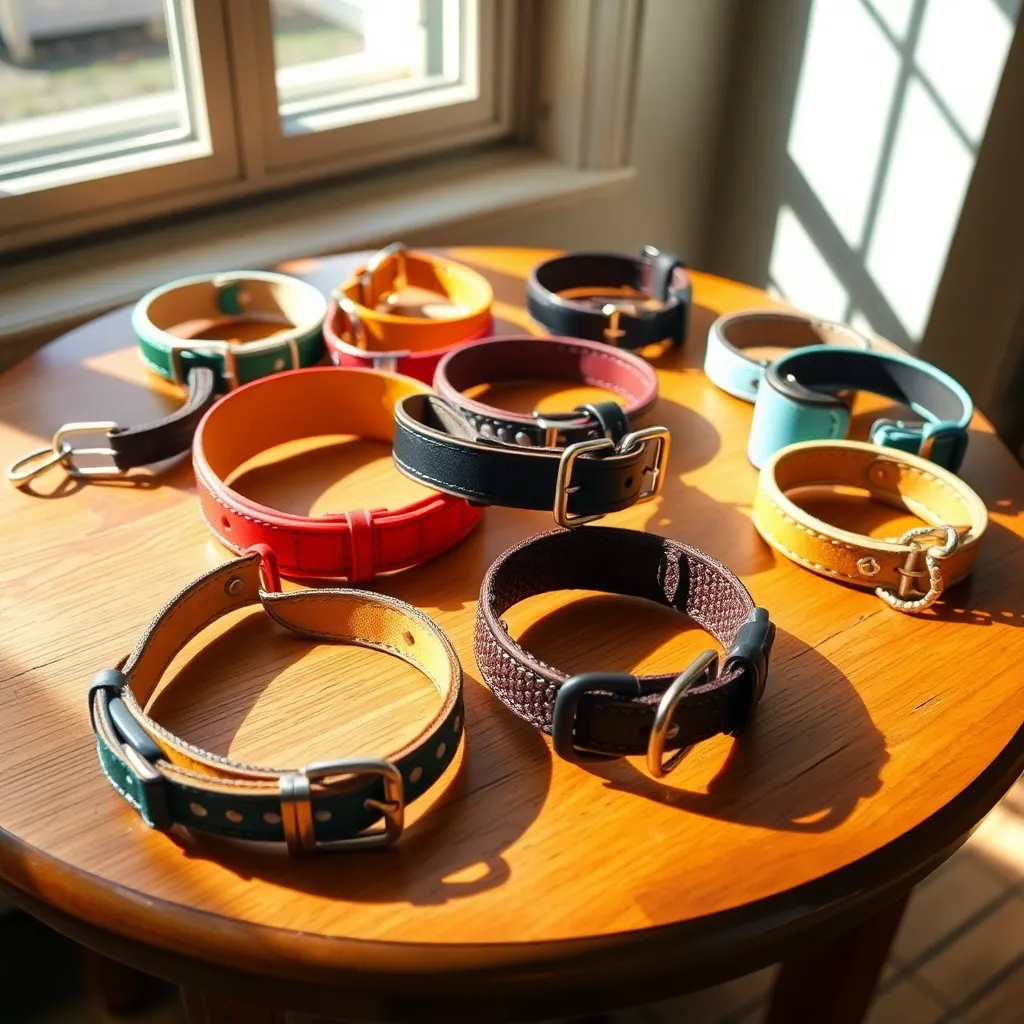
x=606, y=318
x=436, y=445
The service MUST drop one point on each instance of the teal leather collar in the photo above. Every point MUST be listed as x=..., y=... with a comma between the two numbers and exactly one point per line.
x=293, y=310
x=171, y=782
x=798, y=401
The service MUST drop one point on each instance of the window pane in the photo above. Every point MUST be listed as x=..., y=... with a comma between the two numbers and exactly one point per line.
x=94, y=88
x=349, y=61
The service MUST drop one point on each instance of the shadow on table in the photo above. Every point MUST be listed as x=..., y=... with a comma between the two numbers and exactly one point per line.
x=810, y=754
x=457, y=833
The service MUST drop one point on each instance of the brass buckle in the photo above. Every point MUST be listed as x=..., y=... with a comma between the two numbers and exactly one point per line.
x=297, y=808
x=705, y=665
x=394, y=251
x=563, y=481
x=909, y=597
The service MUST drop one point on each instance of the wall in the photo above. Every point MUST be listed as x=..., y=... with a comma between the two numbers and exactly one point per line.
x=684, y=68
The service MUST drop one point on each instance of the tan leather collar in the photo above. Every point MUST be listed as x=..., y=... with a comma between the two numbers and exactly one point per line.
x=908, y=573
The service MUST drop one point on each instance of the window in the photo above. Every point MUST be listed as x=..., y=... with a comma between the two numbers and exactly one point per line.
x=112, y=110
x=892, y=103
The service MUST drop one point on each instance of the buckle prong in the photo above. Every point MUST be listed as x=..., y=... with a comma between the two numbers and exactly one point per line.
x=297, y=817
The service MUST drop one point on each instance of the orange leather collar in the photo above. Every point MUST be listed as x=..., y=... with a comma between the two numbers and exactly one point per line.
x=361, y=331
x=322, y=400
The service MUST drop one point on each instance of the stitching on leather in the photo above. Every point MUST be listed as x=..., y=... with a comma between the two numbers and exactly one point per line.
x=799, y=558
x=806, y=529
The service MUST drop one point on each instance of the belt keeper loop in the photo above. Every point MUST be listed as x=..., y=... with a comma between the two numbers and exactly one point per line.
x=362, y=557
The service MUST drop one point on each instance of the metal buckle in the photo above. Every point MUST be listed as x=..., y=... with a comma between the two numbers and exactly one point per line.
x=99, y=427
x=394, y=251
x=297, y=808
x=657, y=470
x=41, y=459
x=909, y=597
x=563, y=481
x=704, y=665
x=387, y=361
x=567, y=702
x=554, y=423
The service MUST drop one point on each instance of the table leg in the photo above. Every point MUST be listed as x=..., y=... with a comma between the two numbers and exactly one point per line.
x=836, y=981
x=120, y=988
x=211, y=1008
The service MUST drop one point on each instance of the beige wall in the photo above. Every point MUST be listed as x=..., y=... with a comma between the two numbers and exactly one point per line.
x=684, y=69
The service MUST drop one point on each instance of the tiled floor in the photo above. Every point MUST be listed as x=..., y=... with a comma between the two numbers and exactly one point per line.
x=958, y=957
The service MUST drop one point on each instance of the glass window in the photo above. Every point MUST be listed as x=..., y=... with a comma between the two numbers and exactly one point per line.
x=344, y=62
x=93, y=88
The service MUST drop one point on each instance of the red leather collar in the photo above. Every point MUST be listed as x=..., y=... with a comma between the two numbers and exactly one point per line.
x=307, y=403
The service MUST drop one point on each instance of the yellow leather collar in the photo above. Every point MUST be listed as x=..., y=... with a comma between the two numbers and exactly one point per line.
x=905, y=572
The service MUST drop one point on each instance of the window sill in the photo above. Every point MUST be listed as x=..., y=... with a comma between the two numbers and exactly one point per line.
x=480, y=187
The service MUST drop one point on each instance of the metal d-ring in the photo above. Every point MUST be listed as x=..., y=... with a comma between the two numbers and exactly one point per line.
x=705, y=665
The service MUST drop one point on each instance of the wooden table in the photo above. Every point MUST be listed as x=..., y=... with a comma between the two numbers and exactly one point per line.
x=527, y=887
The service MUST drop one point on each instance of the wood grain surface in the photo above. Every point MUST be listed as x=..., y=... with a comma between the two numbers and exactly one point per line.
x=881, y=741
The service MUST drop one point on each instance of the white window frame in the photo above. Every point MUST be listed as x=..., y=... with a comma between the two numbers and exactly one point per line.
x=211, y=159
x=570, y=113
x=246, y=150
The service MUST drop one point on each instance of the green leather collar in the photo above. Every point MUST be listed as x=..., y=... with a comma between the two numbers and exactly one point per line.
x=294, y=308
x=169, y=781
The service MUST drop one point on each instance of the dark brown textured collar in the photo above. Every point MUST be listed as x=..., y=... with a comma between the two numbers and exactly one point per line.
x=600, y=714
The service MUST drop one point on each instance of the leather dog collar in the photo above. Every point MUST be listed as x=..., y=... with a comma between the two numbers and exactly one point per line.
x=495, y=457
x=737, y=374
x=797, y=402
x=358, y=333
x=607, y=715
x=170, y=781
x=293, y=313
x=601, y=296
x=307, y=403
x=125, y=447
x=290, y=312
x=903, y=572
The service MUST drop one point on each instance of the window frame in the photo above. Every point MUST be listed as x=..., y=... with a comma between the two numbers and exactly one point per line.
x=207, y=161
x=250, y=152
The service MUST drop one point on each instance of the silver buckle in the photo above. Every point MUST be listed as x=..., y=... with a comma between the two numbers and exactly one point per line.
x=41, y=459
x=387, y=361
x=297, y=808
x=563, y=481
x=554, y=423
x=656, y=470
x=394, y=251
x=704, y=665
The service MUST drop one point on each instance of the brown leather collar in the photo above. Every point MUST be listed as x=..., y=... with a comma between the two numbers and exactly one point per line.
x=601, y=714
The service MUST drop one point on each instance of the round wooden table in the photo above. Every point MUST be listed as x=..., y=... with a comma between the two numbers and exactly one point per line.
x=526, y=887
